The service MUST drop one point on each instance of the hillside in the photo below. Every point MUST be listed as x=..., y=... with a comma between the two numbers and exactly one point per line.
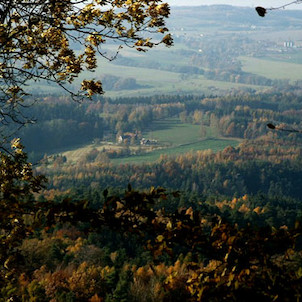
x=214, y=51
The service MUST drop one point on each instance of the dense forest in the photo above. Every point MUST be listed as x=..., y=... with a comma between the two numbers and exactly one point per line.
x=144, y=246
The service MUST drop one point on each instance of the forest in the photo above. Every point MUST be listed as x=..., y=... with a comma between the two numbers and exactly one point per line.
x=261, y=160
x=144, y=246
x=195, y=226
x=143, y=195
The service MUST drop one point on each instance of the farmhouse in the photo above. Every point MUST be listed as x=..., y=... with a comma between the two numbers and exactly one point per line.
x=128, y=137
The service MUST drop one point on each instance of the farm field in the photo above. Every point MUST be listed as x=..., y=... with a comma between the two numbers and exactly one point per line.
x=214, y=144
x=173, y=138
x=156, y=82
x=272, y=69
x=173, y=132
x=202, y=35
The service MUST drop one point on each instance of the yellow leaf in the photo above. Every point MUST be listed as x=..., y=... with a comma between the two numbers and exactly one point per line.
x=160, y=238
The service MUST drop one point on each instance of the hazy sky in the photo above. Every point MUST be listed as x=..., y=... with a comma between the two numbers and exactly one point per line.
x=250, y=3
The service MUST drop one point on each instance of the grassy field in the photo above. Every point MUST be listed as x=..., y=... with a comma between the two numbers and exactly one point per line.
x=173, y=132
x=173, y=138
x=294, y=58
x=272, y=69
x=212, y=144
x=160, y=81
x=153, y=81
x=180, y=137
x=77, y=154
x=201, y=25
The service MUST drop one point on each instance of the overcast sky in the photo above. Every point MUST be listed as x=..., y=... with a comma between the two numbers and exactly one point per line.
x=249, y=3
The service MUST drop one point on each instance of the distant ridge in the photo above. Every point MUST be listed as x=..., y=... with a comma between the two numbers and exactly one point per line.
x=220, y=13
x=238, y=3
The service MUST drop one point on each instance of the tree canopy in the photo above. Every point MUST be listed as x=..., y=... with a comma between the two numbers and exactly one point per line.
x=54, y=250
x=37, y=42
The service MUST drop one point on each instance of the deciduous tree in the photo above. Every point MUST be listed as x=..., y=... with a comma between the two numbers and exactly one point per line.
x=37, y=41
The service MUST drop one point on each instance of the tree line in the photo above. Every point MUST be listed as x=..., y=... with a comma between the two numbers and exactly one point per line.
x=62, y=124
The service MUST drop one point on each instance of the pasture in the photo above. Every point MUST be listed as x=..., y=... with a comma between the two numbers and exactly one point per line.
x=173, y=138
x=214, y=144
x=172, y=132
x=272, y=69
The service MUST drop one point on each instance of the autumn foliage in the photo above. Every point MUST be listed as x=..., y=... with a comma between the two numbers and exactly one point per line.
x=129, y=248
x=37, y=39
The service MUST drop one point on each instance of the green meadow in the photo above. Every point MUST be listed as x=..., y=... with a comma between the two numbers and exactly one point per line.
x=214, y=144
x=173, y=132
x=273, y=69
x=179, y=138
x=156, y=81
x=173, y=138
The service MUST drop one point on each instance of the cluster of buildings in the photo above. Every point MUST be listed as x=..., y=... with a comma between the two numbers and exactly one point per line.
x=135, y=138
